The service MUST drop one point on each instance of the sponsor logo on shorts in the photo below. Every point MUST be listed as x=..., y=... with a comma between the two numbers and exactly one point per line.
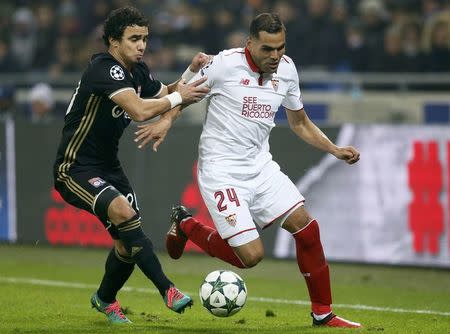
x=231, y=219
x=97, y=182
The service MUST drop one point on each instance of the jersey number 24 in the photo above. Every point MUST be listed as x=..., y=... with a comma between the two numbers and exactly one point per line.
x=220, y=197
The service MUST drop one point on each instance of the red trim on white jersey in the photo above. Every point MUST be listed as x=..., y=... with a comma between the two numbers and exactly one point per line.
x=273, y=220
x=254, y=67
x=251, y=63
x=250, y=229
x=285, y=59
x=229, y=54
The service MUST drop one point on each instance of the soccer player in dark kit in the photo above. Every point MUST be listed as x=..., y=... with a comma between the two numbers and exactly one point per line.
x=116, y=88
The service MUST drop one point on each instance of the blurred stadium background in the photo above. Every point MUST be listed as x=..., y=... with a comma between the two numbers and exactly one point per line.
x=373, y=73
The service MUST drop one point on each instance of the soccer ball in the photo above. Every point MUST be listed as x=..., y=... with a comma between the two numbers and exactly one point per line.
x=223, y=293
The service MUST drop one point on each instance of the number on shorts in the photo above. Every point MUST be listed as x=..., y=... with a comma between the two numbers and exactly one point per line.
x=131, y=198
x=232, y=197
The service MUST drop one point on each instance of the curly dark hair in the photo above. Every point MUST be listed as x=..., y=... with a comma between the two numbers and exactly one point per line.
x=119, y=19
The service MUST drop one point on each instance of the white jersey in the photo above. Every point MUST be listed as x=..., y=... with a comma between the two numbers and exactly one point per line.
x=241, y=108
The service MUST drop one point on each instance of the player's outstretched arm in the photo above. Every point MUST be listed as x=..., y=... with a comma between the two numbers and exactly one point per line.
x=158, y=130
x=155, y=131
x=303, y=127
x=144, y=109
x=200, y=60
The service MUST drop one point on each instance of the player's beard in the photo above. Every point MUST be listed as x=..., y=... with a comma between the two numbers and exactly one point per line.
x=272, y=69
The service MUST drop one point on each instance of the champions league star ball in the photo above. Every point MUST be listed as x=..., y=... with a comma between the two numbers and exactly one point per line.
x=223, y=293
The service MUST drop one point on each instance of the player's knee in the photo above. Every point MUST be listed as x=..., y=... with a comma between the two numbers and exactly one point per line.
x=252, y=259
x=111, y=205
x=133, y=237
x=297, y=220
x=250, y=253
x=120, y=210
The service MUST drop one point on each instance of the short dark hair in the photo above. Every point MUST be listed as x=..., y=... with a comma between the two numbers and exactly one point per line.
x=268, y=22
x=119, y=19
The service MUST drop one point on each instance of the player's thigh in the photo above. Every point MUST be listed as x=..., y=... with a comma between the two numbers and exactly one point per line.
x=88, y=190
x=276, y=197
x=227, y=202
x=120, y=181
x=297, y=219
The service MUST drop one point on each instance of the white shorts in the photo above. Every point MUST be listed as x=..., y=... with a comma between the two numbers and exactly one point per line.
x=236, y=201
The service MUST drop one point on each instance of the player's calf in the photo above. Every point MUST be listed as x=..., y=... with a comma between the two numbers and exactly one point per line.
x=140, y=248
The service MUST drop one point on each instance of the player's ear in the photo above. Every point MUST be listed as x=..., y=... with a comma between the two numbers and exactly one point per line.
x=249, y=42
x=113, y=42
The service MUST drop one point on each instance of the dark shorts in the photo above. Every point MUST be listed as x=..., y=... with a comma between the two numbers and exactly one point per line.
x=93, y=190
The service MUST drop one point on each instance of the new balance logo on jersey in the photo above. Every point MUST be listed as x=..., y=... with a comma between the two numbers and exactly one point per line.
x=245, y=82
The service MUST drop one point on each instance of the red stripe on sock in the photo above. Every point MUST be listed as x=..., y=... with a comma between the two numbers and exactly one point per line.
x=313, y=266
x=210, y=241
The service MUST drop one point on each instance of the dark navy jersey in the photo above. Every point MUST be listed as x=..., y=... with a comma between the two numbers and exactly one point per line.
x=93, y=122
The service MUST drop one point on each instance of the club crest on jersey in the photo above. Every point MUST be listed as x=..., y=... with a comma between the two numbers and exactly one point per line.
x=97, y=182
x=117, y=73
x=275, y=83
x=231, y=219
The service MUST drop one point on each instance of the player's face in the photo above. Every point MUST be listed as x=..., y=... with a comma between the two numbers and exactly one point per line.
x=267, y=50
x=133, y=43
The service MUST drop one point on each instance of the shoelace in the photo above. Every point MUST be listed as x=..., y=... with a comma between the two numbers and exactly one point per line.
x=115, y=307
x=174, y=293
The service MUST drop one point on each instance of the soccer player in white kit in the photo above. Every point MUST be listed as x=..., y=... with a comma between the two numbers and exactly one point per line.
x=240, y=183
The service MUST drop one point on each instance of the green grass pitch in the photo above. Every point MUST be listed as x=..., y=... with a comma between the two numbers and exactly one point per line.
x=47, y=290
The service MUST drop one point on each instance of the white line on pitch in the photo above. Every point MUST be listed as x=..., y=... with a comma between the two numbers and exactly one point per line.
x=33, y=281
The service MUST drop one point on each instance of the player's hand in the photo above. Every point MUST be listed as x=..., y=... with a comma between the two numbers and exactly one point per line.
x=155, y=131
x=200, y=60
x=192, y=92
x=348, y=153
